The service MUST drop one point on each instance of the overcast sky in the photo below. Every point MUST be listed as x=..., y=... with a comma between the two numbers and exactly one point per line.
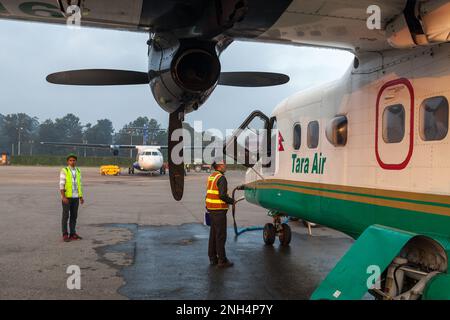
x=30, y=51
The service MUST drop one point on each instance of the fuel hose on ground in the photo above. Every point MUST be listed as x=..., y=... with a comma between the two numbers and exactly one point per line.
x=238, y=231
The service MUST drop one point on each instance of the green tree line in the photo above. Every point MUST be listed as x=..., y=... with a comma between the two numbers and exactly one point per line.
x=21, y=134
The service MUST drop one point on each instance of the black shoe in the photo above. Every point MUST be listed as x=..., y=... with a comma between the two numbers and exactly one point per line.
x=225, y=264
x=213, y=262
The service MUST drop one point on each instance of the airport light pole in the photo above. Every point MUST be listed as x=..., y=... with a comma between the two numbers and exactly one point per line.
x=132, y=131
x=85, y=142
x=19, y=143
x=31, y=147
x=131, y=150
x=131, y=142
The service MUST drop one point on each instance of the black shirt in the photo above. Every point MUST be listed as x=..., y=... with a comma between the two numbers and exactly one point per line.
x=222, y=184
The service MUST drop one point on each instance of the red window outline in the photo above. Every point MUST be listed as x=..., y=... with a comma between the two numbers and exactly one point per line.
x=405, y=163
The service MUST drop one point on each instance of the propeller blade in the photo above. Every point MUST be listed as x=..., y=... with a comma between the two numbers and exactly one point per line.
x=176, y=171
x=252, y=79
x=98, y=77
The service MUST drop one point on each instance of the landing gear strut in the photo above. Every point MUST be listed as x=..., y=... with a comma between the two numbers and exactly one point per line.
x=277, y=228
x=408, y=275
x=270, y=230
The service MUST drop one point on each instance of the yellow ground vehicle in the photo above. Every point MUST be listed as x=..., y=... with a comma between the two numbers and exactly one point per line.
x=4, y=160
x=110, y=170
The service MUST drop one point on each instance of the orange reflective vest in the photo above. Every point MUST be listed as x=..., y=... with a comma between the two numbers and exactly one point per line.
x=213, y=202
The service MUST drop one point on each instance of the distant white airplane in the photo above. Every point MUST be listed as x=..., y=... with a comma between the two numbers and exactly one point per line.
x=148, y=159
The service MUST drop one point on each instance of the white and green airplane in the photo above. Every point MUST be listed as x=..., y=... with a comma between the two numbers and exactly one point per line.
x=366, y=155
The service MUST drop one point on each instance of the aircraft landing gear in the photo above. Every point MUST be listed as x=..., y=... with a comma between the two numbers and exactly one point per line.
x=410, y=273
x=285, y=235
x=269, y=234
x=131, y=170
x=282, y=230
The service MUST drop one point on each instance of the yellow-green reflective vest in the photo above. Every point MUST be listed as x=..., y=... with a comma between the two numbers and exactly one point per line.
x=69, y=183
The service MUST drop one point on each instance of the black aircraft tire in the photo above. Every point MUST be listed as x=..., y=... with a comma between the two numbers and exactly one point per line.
x=285, y=235
x=269, y=234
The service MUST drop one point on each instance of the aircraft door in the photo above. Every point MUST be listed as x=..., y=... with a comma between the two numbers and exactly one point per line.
x=394, y=139
x=250, y=143
x=271, y=166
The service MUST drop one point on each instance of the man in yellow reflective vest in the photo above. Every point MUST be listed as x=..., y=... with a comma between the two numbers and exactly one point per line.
x=217, y=202
x=71, y=188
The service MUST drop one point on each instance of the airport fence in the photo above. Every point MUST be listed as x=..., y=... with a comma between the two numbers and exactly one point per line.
x=39, y=160
x=56, y=161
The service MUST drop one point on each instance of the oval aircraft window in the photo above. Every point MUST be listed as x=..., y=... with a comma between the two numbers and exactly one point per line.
x=434, y=119
x=336, y=131
x=394, y=123
x=297, y=136
x=313, y=134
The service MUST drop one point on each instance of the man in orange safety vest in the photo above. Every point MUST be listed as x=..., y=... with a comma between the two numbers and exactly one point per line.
x=217, y=202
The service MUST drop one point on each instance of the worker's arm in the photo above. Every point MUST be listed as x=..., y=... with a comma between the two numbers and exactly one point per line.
x=62, y=185
x=81, y=183
x=222, y=184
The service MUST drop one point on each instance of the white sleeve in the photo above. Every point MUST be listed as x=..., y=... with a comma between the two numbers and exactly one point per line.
x=62, y=180
x=81, y=183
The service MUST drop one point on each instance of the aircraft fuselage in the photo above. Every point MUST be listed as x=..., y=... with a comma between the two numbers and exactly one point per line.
x=393, y=169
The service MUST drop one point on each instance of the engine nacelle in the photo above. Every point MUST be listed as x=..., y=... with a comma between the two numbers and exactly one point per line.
x=425, y=23
x=182, y=73
x=436, y=20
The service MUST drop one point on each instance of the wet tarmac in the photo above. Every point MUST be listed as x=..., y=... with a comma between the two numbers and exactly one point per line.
x=170, y=262
x=140, y=244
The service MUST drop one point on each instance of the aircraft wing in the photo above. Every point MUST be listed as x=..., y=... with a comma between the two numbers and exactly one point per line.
x=111, y=146
x=110, y=14
x=326, y=23
x=341, y=24
x=90, y=145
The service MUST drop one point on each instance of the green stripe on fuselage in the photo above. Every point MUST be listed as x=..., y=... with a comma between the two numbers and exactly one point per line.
x=363, y=195
x=348, y=216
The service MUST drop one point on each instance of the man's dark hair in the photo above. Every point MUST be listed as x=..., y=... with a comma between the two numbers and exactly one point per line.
x=71, y=156
x=216, y=163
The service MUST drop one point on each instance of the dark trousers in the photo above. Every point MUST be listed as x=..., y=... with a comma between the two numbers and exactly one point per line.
x=70, y=214
x=218, y=236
